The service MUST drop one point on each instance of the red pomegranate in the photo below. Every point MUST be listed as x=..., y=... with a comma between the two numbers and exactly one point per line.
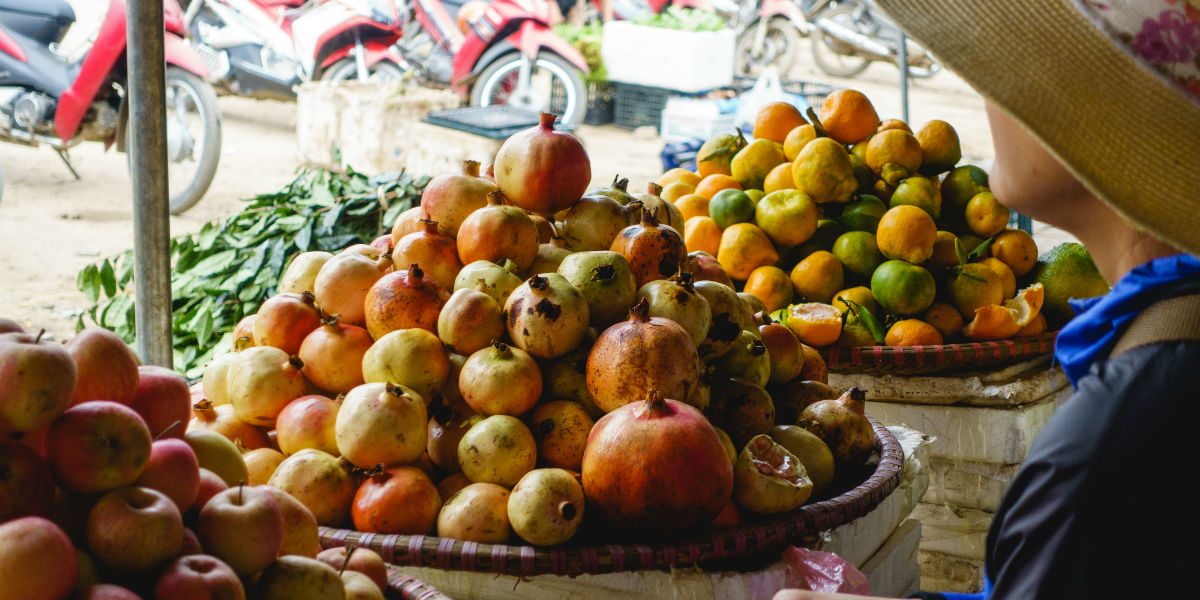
x=285, y=319
x=450, y=197
x=644, y=353
x=656, y=466
x=435, y=251
x=332, y=355
x=543, y=170
x=496, y=232
x=654, y=250
x=403, y=300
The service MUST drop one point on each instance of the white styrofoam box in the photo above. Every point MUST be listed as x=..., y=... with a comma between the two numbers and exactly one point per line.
x=954, y=531
x=1013, y=385
x=990, y=435
x=968, y=484
x=682, y=128
x=688, y=61
x=894, y=572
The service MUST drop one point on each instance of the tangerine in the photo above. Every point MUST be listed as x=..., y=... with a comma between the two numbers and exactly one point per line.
x=848, y=116
x=774, y=120
x=796, y=140
x=751, y=164
x=858, y=252
x=731, y=206
x=893, y=154
x=902, y=288
x=823, y=171
x=715, y=153
x=817, y=277
x=893, y=124
x=744, y=247
x=789, y=217
x=815, y=323
x=771, y=285
x=1016, y=249
x=973, y=285
x=912, y=332
x=940, y=149
x=918, y=191
x=780, y=178
x=860, y=295
x=906, y=232
x=679, y=174
x=716, y=182
x=703, y=234
x=945, y=318
x=945, y=254
x=676, y=190
x=692, y=205
x=985, y=215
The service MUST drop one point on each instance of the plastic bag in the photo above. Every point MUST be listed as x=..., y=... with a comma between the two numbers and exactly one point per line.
x=767, y=88
x=823, y=572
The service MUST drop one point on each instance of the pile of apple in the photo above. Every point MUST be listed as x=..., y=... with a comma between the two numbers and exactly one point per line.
x=103, y=494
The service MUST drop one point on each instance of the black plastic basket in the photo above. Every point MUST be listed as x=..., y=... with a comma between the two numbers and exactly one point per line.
x=600, y=103
x=639, y=105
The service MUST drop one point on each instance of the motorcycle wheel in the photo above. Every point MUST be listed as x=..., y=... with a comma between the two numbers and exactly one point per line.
x=192, y=163
x=346, y=70
x=834, y=56
x=779, y=48
x=558, y=87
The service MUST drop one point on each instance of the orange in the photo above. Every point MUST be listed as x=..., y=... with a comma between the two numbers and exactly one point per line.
x=716, y=182
x=703, y=234
x=918, y=191
x=912, y=332
x=751, y=164
x=1016, y=249
x=991, y=322
x=902, y=288
x=973, y=285
x=893, y=154
x=780, y=178
x=858, y=252
x=796, y=139
x=817, y=277
x=775, y=120
x=824, y=172
x=1035, y=327
x=771, y=285
x=860, y=295
x=678, y=174
x=848, y=116
x=692, y=205
x=944, y=253
x=945, y=318
x=789, y=217
x=676, y=190
x=815, y=323
x=940, y=149
x=985, y=215
x=1008, y=280
x=731, y=206
x=906, y=232
x=893, y=124
x=716, y=152
x=745, y=247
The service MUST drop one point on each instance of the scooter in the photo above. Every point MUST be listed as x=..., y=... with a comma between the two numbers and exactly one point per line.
x=267, y=48
x=507, y=55
x=49, y=97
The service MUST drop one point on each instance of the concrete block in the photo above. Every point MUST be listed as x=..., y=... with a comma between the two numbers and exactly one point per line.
x=968, y=484
x=894, y=571
x=1018, y=384
x=945, y=573
x=955, y=531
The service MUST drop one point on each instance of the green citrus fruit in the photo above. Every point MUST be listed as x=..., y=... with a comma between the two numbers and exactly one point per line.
x=902, y=288
x=858, y=253
x=730, y=207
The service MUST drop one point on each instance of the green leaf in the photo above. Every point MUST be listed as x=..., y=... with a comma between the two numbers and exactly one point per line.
x=959, y=252
x=291, y=224
x=330, y=219
x=978, y=175
x=214, y=264
x=303, y=237
x=108, y=279
x=202, y=325
x=981, y=250
x=88, y=282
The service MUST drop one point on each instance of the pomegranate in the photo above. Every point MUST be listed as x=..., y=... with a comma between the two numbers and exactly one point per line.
x=768, y=479
x=342, y=283
x=497, y=281
x=408, y=222
x=546, y=316
x=214, y=382
x=543, y=170
x=302, y=271
x=705, y=267
x=728, y=317
x=498, y=449
x=262, y=381
x=443, y=432
x=545, y=508
x=787, y=357
x=747, y=359
x=619, y=190
x=221, y=419
x=606, y=281
x=677, y=300
x=793, y=397
x=452, y=483
x=654, y=250
x=381, y=423
x=500, y=380
x=638, y=355
x=320, y=481
x=546, y=228
x=243, y=333
x=842, y=424
x=561, y=429
x=470, y=320
x=666, y=212
x=656, y=466
x=594, y=222
x=332, y=355
x=743, y=409
x=403, y=300
x=496, y=232
x=401, y=500
x=565, y=378
x=285, y=319
x=307, y=422
x=414, y=358
x=450, y=197
x=549, y=255
x=476, y=513
x=813, y=453
x=428, y=247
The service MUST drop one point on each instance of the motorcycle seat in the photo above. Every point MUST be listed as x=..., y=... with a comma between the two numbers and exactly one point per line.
x=56, y=10
x=274, y=3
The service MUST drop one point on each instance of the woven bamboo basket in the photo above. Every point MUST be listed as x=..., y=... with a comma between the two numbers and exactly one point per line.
x=911, y=360
x=407, y=587
x=719, y=545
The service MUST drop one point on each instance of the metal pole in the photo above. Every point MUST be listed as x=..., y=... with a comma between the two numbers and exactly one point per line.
x=148, y=162
x=903, y=77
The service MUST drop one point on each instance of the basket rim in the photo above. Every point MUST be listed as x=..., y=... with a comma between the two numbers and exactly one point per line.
x=526, y=560
x=411, y=588
x=930, y=359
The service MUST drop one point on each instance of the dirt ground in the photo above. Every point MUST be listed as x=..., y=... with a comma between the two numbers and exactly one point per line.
x=52, y=225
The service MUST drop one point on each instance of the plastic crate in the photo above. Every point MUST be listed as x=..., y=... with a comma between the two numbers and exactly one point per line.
x=600, y=104
x=813, y=93
x=497, y=121
x=679, y=128
x=638, y=105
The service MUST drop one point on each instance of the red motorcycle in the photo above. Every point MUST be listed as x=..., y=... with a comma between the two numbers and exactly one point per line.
x=49, y=98
x=505, y=53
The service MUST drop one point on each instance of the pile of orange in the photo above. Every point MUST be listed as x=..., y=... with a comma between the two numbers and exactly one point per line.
x=858, y=230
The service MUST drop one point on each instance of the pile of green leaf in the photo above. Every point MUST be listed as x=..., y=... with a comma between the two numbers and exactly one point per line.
x=225, y=271
x=587, y=40
x=683, y=19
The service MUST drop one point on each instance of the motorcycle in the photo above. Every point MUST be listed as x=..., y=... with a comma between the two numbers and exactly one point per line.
x=850, y=35
x=507, y=54
x=267, y=48
x=50, y=97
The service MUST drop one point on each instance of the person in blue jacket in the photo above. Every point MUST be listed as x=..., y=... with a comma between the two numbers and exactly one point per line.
x=1094, y=107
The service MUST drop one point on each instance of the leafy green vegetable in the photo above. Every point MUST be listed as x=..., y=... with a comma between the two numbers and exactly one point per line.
x=587, y=39
x=224, y=271
x=683, y=19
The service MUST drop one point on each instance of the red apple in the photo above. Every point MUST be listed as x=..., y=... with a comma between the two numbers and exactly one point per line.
x=34, y=440
x=242, y=526
x=210, y=485
x=301, y=535
x=134, y=529
x=37, y=559
x=98, y=446
x=10, y=326
x=26, y=483
x=293, y=577
x=199, y=577
x=307, y=422
x=162, y=398
x=37, y=379
x=364, y=560
x=107, y=366
x=107, y=591
x=172, y=470
x=191, y=542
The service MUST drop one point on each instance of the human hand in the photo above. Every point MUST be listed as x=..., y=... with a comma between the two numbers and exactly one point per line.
x=807, y=595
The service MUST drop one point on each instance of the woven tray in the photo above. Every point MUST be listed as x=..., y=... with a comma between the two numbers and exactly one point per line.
x=407, y=587
x=730, y=543
x=910, y=360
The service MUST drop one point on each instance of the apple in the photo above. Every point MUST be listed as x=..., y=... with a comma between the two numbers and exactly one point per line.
x=320, y=481
x=172, y=470
x=37, y=379
x=219, y=455
x=242, y=526
x=134, y=529
x=191, y=543
x=10, y=326
x=300, y=578
x=362, y=560
x=307, y=422
x=37, y=559
x=97, y=446
x=26, y=483
x=210, y=485
x=360, y=587
x=107, y=366
x=107, y=591
x=199, y=577
x=301, y=534
x=88, y=575
x=163, y=399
